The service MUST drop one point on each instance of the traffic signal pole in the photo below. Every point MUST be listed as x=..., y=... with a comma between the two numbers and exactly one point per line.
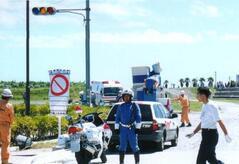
x=52, y=11
x=87, y=50
x=27, y=92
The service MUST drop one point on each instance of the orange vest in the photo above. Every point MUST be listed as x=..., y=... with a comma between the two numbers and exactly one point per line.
x=184, y=101
x=6, y=112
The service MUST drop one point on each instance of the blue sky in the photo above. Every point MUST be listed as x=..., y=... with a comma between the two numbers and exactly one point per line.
x=190, y=38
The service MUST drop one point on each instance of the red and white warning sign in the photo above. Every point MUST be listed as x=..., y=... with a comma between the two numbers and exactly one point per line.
x=59, y=91
x=59, y=85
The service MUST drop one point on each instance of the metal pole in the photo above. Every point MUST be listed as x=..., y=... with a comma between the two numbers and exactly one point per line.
x=87, y=50
x=27, y=61
x=215, y=79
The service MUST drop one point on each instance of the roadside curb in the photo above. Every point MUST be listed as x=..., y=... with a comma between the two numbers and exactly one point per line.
x=14, y=148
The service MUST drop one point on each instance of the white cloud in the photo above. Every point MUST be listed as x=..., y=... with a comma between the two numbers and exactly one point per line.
x=73, y=40
x=200, y=8
x=7, y=13
x=146, y=37
x=231, y=37
x=111, y=9
x=134, y=24
x=62, y=41
x=120, y=8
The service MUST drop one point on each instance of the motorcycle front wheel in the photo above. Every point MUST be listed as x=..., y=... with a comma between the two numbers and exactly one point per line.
x=82, y=157
x=103, y=157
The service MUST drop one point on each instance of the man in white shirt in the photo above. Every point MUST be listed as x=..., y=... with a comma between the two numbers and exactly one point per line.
x=210, y=116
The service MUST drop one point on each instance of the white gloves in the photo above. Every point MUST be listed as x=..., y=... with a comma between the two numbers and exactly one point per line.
x=228, y=138
x=116, y=126
x=190, y=135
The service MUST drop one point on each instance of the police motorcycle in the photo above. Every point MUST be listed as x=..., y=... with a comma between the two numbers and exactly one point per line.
x=88, y=138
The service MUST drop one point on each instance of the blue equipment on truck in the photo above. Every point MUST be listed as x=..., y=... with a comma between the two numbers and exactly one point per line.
x=146, y=85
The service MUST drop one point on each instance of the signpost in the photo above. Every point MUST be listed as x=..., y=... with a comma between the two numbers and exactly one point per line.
x=59, y=93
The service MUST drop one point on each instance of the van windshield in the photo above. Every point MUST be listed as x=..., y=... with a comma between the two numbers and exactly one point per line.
x=111, y=91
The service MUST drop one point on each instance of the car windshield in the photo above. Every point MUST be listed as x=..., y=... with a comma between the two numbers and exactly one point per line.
x=111, y=91
x=145, y=109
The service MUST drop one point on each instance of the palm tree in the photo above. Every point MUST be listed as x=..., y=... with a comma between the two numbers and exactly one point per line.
x=210, y=81
x=195, y=82
x=181, y=82
x=166, y=83
x=187, y=81
x=201, y=80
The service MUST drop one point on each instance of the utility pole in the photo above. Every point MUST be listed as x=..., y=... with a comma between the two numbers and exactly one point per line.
x=215, y=79
x=87, y=50
x=27, y=93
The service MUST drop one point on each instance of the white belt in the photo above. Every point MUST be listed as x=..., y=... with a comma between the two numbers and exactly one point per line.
x=126, y=126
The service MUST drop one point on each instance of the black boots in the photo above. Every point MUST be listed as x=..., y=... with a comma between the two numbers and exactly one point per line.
x=189, y=124
x=136, y=157
x=182, y=125
x=121, y=157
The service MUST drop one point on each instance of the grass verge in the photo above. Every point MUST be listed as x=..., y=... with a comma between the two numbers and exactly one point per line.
x=195, y=106
x=44, y=144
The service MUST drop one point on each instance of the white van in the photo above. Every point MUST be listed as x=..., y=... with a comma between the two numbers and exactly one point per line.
x=105, y=92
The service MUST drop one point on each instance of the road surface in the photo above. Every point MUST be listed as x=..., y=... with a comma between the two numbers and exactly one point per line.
x=184, y=153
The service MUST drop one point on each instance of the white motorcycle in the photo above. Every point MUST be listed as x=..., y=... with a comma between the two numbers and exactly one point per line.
x=88, y=138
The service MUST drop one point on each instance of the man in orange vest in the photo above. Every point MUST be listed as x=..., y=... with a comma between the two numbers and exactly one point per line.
x=185, y=109
x=6, y=119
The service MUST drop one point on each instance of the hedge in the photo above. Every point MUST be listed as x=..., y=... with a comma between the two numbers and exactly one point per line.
x=40, y=125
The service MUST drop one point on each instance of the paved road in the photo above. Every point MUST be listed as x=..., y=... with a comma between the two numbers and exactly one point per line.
x=185, y=152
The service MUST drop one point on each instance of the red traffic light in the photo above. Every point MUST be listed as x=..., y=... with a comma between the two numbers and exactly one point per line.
x=43, y=10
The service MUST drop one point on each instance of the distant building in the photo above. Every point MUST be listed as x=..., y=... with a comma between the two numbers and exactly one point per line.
x=237, y=80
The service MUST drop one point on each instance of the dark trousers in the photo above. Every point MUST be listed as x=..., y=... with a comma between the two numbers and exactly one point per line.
x=208, y=147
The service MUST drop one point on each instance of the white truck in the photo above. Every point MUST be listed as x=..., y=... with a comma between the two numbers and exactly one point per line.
x=105, y=92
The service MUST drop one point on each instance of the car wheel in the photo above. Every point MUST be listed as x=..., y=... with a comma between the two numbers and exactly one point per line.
x=160, y=145
x=175, y=141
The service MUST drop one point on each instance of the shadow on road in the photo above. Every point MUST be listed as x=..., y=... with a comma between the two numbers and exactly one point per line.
x=148, y=148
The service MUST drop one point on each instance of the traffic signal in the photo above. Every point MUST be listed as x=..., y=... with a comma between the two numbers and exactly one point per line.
x=43, y=10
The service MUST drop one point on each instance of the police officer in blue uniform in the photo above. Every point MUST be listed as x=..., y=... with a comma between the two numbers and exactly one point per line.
x=128, y=123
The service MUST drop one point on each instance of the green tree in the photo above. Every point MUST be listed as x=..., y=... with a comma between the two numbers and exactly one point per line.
x=195, y=82
x=187, y=82
x=210, y=81
x=166, y=83
x=181, y=82
x=201, y=80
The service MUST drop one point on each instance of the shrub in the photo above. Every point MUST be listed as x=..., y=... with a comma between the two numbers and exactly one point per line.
x=41, y=125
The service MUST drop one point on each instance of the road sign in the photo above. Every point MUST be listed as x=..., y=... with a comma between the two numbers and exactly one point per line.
x=59, y=85
x=59, y=91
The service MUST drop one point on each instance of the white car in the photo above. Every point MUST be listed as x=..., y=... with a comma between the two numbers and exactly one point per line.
x=158, y=124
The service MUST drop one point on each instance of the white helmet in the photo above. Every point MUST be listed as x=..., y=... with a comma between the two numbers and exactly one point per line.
x=182, y=92
x=7, y=93
x=127, y=92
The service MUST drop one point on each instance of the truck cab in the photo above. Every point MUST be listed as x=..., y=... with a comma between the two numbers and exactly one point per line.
x=105, y=92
